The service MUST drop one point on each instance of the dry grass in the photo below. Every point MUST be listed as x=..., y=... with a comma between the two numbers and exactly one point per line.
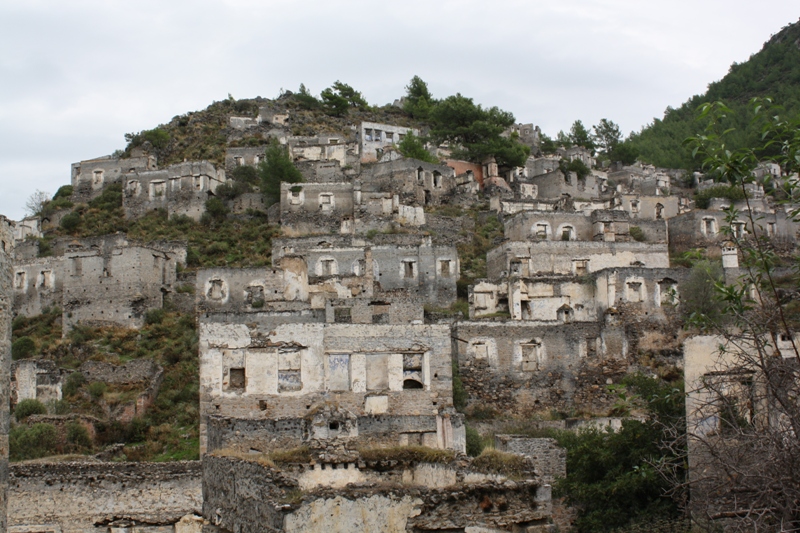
x=300, y=454
x=492, y=461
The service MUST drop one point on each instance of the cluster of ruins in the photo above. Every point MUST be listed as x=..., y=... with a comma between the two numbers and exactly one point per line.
x=330, y=348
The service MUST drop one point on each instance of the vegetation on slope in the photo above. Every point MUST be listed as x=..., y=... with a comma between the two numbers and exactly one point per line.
x=170, y=428
x=774, y=71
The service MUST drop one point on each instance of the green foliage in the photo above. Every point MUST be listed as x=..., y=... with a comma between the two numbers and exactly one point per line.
x=580, y=136
x=26, y=408
x=607, y=136
x=23, y=348
x=305, y=99
x=407, y=454
x=418, y=102
x=340, y=97
x=698, y=292
x=459, y=392
x=577, y=166
x=703, y=198
x=611, y=478
x=216, y=210
x=157, y=137
x=65, y=191
x=70, y=222
x=774, y=70
x=97, y=389
x=245, y=174
x=476, y=132
x=547, y=145
x=637, y=234
x=154, y=316
x=277, y=168
x=32, y=442
x=625, y=152
x=78, y=436
x=73, y=383
x=413, y=147
x=475, y=443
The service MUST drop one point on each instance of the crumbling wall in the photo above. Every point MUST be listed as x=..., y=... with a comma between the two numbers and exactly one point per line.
x=548, y=458
x=548, y=225
x=374, y=138
x=6, y=254
x=35, y=379
x=180, y=189
x=272, y=369
x=80, y=497
x=416, y=182
x=529, y=368
x=90, y=177
x=247, y=497
x=38, y=284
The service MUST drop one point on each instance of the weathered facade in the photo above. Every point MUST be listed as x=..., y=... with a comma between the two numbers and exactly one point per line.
x=180, y=189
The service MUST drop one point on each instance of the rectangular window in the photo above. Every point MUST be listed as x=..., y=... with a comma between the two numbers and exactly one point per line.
x=409, y=269
x=236, y=379
x=19, y=280
x=327, y=267
x=445, y=268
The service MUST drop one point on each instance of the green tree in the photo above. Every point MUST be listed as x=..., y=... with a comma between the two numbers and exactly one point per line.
x=340, y=97
x=305, y=99
x=624, y=152
x=612, y=480
x=580, y=136
x=277, y=168
x=418, y=102
x=476, y=133
x=413, y=147
x=607, y=136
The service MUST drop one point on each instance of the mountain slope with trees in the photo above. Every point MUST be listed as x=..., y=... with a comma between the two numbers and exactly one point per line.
x=773, y=71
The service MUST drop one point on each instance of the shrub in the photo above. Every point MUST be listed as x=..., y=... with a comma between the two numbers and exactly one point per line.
x=475, y=443
x=77, y=435
x=154, y=316
x=97, y=389
x=74, y=382
x=637, y=234
x=703, y=198
x=65, y=191
x=294, y=455
x=32, y=442
x=22, y=348
x=70, y=222
x=29, y=407
x=216, y=209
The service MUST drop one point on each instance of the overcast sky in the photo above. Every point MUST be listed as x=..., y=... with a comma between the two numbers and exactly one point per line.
x=76, y=76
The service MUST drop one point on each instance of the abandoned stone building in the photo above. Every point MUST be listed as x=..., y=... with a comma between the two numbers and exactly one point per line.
x=375, y=138
x=349, y=266
x=180, y=189
x=97, y=281
x=319, y=208
x=91, y=176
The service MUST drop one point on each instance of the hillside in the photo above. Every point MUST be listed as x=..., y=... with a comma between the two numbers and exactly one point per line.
x=773, y=71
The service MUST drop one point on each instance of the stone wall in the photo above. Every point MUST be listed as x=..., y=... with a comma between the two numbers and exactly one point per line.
x=532, y=368
x=374, y=138
x=180, y=189
x=245, y=496
x=578, y=258
x=272, y=369
x=548, y=458
x=90, y=177
x=6, y=254
x=416, y=182
x=81, y=497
